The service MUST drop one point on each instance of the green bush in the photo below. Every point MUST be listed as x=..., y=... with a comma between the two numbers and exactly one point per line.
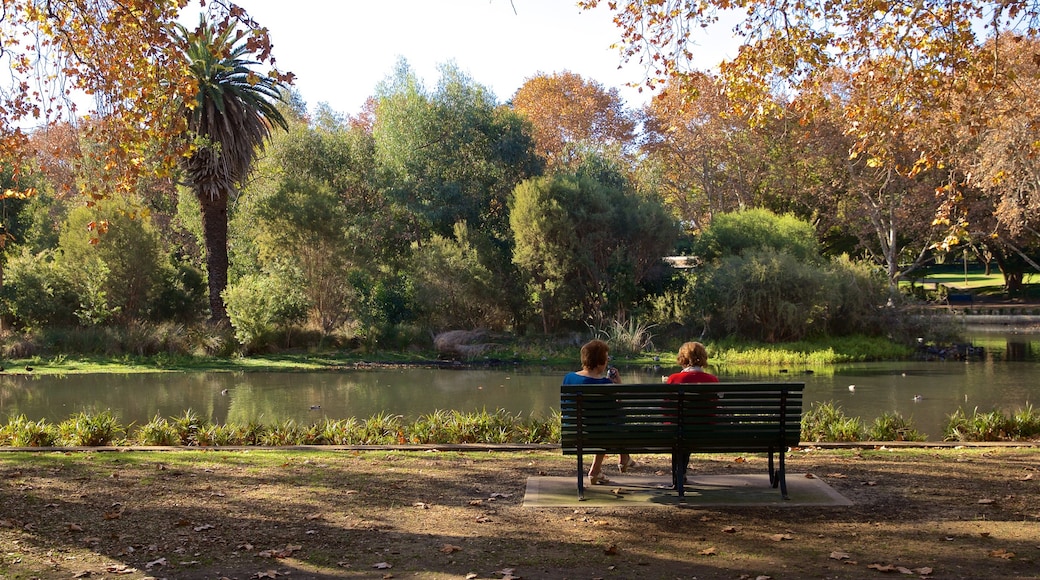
x=21, y=432
x=750, y=230
x=825, y=421
x=90, y=430
x=159, y=432
x=260, y=306
x=992, y=426
x=36, y=294
x=762, y=295
x=894, y=427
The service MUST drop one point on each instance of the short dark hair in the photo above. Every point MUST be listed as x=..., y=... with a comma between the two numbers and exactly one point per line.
x=594, y=354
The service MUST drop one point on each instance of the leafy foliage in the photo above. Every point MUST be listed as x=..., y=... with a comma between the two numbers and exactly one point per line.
x=568, y=112
x=583, y=243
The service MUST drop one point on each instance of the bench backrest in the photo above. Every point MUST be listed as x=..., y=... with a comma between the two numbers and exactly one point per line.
x=659, y=418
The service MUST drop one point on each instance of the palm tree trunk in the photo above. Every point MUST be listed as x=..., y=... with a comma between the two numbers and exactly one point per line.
x=215, y=234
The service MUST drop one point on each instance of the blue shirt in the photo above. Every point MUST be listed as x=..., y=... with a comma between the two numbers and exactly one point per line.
x=576, y=379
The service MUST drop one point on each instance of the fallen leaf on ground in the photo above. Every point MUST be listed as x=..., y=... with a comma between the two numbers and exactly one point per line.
x=739, y=460
x=1001, y=553
x=840, y=555
x=450, y=548
x=280, y=553
x=810, y=476
x=382, y=566
x=882, y=567
x=730, y=529
x=610, y=550
x=1027, y=477
x=712, y=551
x=870, y=483
x=616, y=491
x=781, y=537
x=154, y=563
x=837, y=475
x=75, y=528
x=421, y=505
x=267, y=574
x=476, y=501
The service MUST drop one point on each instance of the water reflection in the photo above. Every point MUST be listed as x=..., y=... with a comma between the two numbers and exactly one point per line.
x=1004, y=380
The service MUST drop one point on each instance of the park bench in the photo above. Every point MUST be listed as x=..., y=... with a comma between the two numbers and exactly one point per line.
x=687, y=418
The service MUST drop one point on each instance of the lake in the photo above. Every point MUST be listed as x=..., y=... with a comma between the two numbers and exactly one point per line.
x=1004, y=379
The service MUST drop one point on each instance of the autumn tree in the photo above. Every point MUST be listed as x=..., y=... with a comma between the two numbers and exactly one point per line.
x=118, y=63
x=996, y=209
x=909, y=62
x=705, y=159
x=566, y=111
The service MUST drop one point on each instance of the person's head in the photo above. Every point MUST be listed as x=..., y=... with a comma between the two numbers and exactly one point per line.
x=594, y=354
x=692, y=354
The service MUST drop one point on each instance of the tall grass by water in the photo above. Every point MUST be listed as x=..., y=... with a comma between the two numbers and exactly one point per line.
x=822, y=422
x=189, y=429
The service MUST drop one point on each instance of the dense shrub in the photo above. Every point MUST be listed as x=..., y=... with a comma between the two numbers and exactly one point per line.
x=260, y=306
x=36, y=292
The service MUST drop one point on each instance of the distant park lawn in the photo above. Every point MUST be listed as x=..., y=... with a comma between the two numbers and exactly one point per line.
x=975, y=279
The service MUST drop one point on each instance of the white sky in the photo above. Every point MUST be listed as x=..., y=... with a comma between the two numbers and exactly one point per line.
x=340, y=50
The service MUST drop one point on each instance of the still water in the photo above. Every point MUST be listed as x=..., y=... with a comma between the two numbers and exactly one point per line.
x=1005, y=379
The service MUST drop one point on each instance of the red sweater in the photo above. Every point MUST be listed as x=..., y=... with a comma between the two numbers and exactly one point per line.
x=692, y=377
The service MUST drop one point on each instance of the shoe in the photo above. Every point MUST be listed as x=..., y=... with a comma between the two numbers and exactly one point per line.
x=599, y=479
x=630, y=464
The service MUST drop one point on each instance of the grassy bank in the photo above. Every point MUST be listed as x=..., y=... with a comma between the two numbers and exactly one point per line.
x=536, y=352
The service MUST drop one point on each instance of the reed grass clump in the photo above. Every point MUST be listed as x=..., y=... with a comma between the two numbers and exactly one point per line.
x=21, y=432
x=894, y=427
x=91, y=430
x=993, y=425
x=826, y=421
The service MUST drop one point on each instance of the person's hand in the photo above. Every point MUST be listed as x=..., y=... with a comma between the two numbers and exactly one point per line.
x=613, y=375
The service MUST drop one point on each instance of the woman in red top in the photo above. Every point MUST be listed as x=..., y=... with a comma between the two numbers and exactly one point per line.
x=693, y=357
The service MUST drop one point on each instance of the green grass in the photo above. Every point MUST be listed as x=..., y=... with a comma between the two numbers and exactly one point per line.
x=821, y=422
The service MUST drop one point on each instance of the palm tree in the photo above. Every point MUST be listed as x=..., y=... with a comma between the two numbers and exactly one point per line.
x=229, y=122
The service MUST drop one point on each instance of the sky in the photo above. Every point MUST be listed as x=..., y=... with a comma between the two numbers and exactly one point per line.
x=340, y=50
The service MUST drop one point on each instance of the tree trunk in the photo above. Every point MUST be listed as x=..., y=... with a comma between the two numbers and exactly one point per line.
x=215, y=232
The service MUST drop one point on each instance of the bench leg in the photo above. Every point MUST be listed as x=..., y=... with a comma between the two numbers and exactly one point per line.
x=581, y=478
x=778, y=477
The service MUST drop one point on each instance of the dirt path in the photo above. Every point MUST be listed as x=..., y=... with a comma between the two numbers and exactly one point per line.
x=931, y=513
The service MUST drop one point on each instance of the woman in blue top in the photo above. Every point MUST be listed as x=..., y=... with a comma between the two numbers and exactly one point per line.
x=594, y=371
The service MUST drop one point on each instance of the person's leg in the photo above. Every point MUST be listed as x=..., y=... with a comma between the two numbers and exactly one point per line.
x=596, y=470
x=625, y=462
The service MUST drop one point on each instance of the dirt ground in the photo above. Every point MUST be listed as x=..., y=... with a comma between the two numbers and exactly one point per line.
x=927, y=513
